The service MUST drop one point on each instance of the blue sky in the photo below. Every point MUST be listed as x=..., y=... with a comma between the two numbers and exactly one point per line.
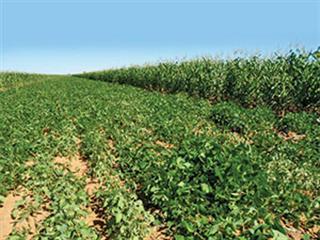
x=81, y=35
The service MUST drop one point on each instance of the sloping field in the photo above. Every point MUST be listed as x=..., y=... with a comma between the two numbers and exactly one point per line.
x=83, y=159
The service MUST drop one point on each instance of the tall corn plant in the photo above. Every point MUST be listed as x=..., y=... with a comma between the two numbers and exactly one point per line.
x=283, y=82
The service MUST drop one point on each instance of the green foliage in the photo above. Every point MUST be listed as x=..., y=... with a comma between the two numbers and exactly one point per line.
x=237, y=119
x=300, y=123
x=281, y=82
x=10, y=79
x=171, y=156
x=125, y=213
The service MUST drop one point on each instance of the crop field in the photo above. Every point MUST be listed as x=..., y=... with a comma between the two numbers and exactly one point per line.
x=217, y=159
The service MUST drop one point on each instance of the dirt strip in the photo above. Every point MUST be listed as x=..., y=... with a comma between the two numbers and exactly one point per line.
x=157, y=234
x=31, y=223
x=20, y=202
x=79, y=167
x=6, y=220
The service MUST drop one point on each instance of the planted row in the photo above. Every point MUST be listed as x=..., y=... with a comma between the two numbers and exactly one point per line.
x=282, y=82
x=8, y=79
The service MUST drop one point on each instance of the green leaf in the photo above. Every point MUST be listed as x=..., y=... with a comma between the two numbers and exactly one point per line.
x=189, y=226
x=179, y=237
x=2, y=198
x=279, y=235
x=205, y=188
x=118, y=217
